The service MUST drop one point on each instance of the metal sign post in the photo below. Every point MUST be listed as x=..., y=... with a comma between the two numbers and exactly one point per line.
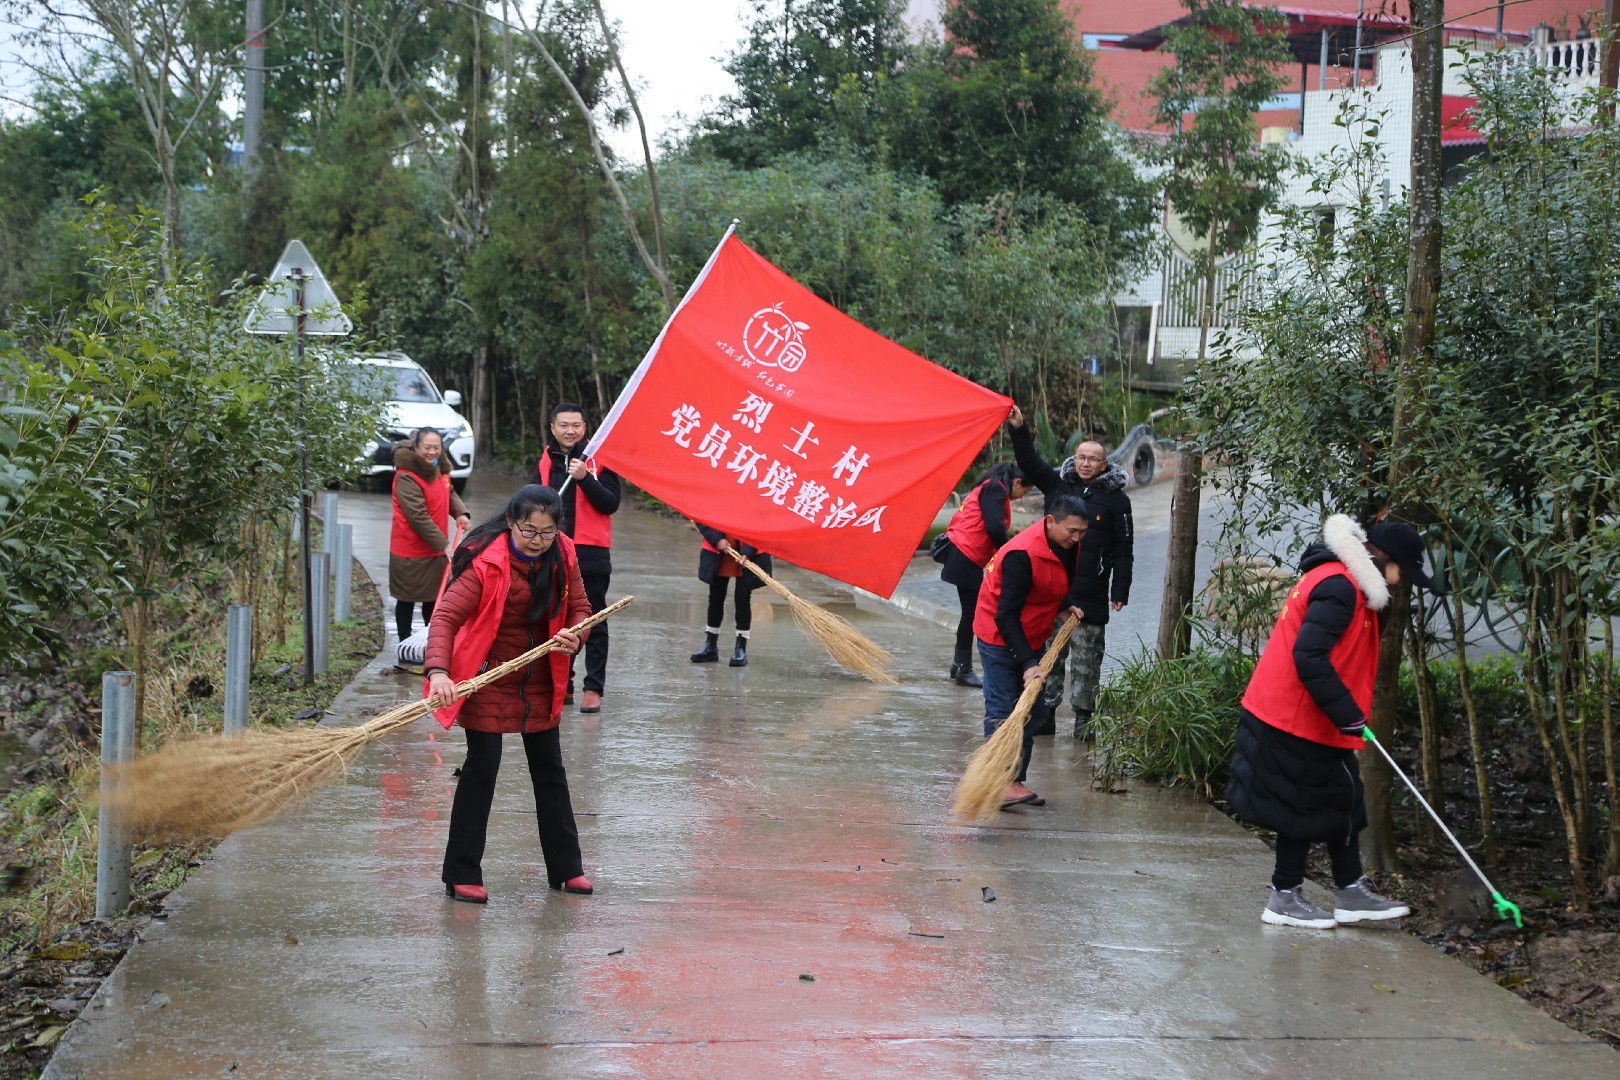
x=308, y=307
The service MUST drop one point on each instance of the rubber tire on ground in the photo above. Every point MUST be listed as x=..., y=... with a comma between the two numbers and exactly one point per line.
x=1142, y=467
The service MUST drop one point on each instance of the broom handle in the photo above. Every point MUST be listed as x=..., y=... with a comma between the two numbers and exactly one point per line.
x=478, y=682
x=776, y=586
x=1026, y=699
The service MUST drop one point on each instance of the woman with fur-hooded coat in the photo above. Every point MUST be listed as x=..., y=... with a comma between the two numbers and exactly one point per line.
x=423, y=501
x=1295, y=769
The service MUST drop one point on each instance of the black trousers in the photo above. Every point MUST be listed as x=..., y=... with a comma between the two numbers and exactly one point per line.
x=1345, y=855
x=402, y=616
x=475, y=792
x=968, y=597
x=717, y=602
x=596, y=646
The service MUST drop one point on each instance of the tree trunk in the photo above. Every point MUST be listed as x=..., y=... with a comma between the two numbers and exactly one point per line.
x=1476, y=738
x=1378, y=849
x=1417, y=345
x=1611, y=861
x=1181, y=559
x=483, y=428
x=1429, y=718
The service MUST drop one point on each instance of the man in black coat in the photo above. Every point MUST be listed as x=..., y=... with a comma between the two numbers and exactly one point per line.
x=589, y=525
x=1102, y=583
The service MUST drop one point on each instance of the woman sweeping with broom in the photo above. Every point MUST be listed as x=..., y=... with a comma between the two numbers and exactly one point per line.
x=514, y=583
x=716, y=570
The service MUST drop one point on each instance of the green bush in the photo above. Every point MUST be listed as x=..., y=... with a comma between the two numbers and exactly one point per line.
x=1171, y=721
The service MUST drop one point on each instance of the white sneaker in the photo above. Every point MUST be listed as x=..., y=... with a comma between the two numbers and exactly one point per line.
x=1358, y=903
x=1288, y=907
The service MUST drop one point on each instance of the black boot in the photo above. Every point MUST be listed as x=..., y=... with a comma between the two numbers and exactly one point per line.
x=962, y=668
x=710, y=653
x=1082, y=724
x=1042, y=718
x=739, y=655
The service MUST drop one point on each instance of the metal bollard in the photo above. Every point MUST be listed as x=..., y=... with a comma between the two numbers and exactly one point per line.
x=238, y=666
x=345, y=573
x=329, y=522
x=117, y=746
x=320, y=607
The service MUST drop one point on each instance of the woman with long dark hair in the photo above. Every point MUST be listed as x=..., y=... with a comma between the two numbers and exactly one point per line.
x=977, y=531
x=514, y=583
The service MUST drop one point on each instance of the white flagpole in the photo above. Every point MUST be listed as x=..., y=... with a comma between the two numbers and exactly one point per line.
x=606, y=427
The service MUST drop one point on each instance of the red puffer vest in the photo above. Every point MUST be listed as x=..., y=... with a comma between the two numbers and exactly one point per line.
x=1275, y=693
x=1045, y=595
x=481, y=620
x=591, y=527
x=967, y=527
x=405, y=541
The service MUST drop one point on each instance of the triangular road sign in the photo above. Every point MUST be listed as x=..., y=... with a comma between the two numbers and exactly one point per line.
x=276, y=310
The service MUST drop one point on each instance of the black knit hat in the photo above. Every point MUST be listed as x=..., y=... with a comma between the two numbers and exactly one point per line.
x=1404, y=546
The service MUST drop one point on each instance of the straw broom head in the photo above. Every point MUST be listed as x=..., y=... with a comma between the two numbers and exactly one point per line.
x=983, y=786
x=849, y=648
x=214, y=785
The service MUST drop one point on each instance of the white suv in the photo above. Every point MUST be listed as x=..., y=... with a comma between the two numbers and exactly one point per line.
x=413, y=402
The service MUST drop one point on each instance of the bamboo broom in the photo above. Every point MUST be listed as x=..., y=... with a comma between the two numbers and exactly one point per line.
x=214, y=785
x=850, y=648
x=980, y=791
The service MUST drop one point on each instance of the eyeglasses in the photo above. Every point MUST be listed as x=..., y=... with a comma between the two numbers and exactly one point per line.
x=530, y=533
x=1089, y=457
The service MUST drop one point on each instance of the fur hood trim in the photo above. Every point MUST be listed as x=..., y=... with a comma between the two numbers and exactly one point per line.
x=1348, y=543
x=1112, y=478
x=410, y=461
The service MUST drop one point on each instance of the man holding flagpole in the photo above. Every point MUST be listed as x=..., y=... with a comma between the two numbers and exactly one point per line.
x=588, y=505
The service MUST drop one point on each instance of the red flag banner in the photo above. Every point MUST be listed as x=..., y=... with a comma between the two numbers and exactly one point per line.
x=766, y=413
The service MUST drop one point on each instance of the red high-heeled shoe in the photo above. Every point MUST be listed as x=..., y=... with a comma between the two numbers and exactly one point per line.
x=580, y=885
x=471, y=894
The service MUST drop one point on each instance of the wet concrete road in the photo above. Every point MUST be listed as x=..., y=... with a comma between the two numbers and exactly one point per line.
x=779, y=893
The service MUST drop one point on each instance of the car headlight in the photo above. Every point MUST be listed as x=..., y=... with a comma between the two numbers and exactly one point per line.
x=466, y=431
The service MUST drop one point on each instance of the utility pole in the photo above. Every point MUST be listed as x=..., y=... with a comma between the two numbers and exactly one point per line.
x=252, y=92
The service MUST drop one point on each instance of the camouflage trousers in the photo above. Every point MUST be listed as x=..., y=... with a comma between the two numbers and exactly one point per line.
x=1084, y=656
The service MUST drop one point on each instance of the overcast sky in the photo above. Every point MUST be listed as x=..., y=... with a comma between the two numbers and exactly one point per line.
x=673, y=50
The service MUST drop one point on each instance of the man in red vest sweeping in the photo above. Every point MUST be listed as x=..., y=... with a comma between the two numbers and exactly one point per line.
x=1295, y=769
x=1026, y=585
x=587, y=518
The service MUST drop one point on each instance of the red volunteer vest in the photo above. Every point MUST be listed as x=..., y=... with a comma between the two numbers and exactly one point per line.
x=406, y=541
x=591, y=527
x=476, y=636
x=967, y=528
x=1046, y=594
x=1275, y=693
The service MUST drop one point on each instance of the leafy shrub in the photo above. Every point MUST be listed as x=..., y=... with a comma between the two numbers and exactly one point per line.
x=1172, y=721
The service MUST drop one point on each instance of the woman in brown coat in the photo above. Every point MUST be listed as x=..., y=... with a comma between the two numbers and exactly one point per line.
x=423, y=500
x=514, y=583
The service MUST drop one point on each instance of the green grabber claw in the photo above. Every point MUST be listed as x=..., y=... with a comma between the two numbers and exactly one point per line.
x=1505, y=908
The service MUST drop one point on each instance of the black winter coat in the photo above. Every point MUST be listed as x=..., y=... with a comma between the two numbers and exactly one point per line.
x=1107, y=551
x=1293, y=786
x=709, y=561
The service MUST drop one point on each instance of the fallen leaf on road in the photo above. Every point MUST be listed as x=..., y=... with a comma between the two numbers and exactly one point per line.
x=1385, y=989
x=617, y=951
x=807, y=978
x=291, y=939
x=989, y=895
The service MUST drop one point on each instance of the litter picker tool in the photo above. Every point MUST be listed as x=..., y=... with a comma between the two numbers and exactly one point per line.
x=845, y=644
x=217, y=784
x=1505, y=908
x=993, y=765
